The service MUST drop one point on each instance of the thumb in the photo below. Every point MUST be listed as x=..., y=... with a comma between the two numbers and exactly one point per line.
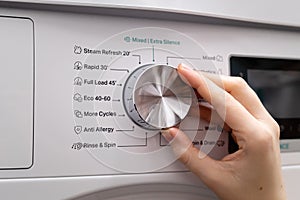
x=196, y=161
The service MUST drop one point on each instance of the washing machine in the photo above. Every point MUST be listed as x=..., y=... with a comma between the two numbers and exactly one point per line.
x=70, y=126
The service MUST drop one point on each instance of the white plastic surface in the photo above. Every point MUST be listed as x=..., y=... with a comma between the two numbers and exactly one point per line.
x=267, y=11
x=151, y=186
x=16, y=93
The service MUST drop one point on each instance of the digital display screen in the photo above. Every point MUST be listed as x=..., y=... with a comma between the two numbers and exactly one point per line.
x=279, y=91
x=277, y=84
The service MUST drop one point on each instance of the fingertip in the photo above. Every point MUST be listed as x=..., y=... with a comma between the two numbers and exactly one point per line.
x=189, y=75
x=182, y=68
x=170, y=133
x=173, y=131
x=166, y=134
x=184, y=73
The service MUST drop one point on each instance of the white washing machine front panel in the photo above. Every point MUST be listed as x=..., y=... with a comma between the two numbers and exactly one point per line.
x=78, y=139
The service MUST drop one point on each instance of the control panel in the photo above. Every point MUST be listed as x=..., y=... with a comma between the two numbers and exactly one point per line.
x=126, y=89
x=99, y=89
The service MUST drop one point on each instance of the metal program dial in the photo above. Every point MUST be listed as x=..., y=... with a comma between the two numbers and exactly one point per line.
x=155, y=97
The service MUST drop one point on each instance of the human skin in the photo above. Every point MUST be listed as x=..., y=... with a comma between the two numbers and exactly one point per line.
x=254, y=171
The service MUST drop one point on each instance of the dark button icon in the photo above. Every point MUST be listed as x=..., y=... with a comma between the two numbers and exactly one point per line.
x=77, y=97
x=219, y=58
x=127, y=39
x=78, y=81
x=78, y=114
x=220, y=143
x=78, y=65
x=77, y=49
x=77, y=129
x=77, y=146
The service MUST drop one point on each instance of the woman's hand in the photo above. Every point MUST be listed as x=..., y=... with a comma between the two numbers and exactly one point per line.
x=252, y=172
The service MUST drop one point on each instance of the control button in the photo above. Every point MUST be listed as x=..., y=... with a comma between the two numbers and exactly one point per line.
x=155, y=97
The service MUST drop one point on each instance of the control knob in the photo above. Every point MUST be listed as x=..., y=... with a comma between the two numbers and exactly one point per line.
x=155, y=97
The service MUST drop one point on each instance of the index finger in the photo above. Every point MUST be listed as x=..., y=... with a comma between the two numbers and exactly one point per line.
x=228, y=108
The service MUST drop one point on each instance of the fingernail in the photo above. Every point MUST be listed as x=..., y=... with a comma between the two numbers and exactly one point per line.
x=184, y=67
x=166, y=134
